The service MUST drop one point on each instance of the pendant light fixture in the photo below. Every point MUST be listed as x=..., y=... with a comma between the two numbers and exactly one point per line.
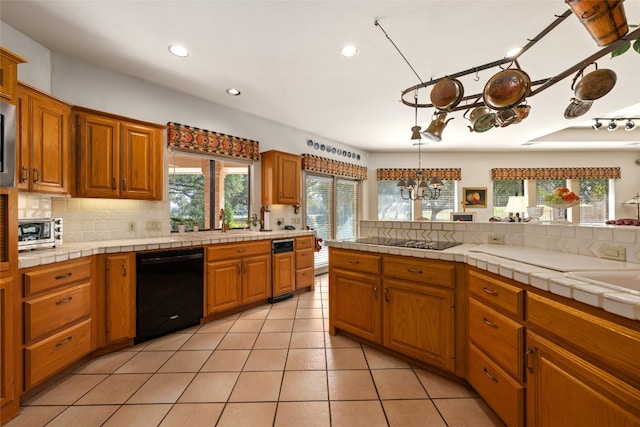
x=415, y=130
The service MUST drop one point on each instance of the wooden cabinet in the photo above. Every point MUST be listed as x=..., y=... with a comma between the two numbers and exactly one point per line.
x=281, y=178
x=496, y=342
x=120, y=297
x=565, y=390
x=9, y=75
x=57, y=314
x=305, y=250
x=284, y=277
x=237, y=274
x=9, y=327
x=419, y=322
x=394, y=301
x=44, y=138
x=118, y=157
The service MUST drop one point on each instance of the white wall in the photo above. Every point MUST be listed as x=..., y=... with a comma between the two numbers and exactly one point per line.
x=476, y=170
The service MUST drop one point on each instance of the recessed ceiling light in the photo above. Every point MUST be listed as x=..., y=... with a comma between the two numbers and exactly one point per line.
x=233, y=91
x=350, y=51
x=178, y=50
x=512, y=52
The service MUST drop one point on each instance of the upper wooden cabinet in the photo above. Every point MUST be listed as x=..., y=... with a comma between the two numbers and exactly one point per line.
x=9, y=75
x=281, y=176
x=44, y=138
x=118, y=157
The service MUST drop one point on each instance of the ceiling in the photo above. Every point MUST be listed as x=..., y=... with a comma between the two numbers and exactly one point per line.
x=285, y=58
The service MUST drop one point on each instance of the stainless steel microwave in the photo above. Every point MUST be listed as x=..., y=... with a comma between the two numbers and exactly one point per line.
x=7, y=145
x=39, y=233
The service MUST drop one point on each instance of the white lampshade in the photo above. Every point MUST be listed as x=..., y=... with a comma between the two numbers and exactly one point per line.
x=516, y=204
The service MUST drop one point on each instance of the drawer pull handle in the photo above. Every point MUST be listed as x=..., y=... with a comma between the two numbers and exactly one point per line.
x=375, y=289
x=241, y=250
x=36, y=176
x=354, y=261
x=412, y=270
x=64, y=301
x=63, y=342
x=386, y=294
x=526, y=359
x=24, y=177
x=490, y=292
x=489, y=323
x=491, y=377
x=63, y=276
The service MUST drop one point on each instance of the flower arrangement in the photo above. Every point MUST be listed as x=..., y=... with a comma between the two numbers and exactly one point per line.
x=562, y=196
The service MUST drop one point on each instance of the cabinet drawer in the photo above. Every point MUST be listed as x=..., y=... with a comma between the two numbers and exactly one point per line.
x=498, y=336
x=497, y=388
x=56, y=352
x=306, y=242
x=238, y=250
x=44, y=279
x=355, y=261
x=304, y=277
x=304, y=258
x=496, y=292
x=420, y=270
x=51, y=312
x=609, y=343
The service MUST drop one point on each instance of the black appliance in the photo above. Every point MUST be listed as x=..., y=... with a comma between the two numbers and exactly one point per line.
x=434, y=245
x=170, y=289
x=7, y=145
x=282, y=279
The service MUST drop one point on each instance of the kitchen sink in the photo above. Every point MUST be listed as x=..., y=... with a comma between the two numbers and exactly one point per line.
x=624, y=280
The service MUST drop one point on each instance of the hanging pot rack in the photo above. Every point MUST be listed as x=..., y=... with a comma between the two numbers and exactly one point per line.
x=539, y=85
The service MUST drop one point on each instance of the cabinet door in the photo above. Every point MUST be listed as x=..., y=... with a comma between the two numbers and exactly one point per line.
x=355, y=304
x=50, y=140
x=419, y=322
x=288, y=179
x=284, y=279
x=564, y=390
x=23, y=138
x=141, y=165
x=256, y=282
x=8, y=400
x=224, y=283
x=98, y=165
x=121, y=297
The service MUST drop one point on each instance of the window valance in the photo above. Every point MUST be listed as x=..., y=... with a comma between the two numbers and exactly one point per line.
x=333, y=167
x=398, y=174
x=498, y=174
x=200, y=141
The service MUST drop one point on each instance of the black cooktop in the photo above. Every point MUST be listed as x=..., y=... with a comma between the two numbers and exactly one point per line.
x=405, y=243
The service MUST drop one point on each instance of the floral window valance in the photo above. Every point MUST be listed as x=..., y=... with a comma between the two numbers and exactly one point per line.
x=333, y=167
x=498, y=174
x=200, y=141
x=398, y=174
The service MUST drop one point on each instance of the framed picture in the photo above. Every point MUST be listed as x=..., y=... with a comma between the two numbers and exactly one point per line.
x=463, y=216
x=474, y=197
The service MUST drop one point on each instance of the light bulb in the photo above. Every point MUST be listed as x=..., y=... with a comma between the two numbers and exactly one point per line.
x=613, y=125
x=630, y=125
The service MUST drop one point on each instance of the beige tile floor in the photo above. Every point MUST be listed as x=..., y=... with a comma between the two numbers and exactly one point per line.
x=274, y=365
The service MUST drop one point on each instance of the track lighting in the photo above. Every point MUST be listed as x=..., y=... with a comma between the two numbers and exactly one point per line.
x=629, y=123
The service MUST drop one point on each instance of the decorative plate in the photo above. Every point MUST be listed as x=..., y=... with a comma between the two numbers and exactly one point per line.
x=322, y=147
x=310, y=143
x=316, y=145
x=333, y=150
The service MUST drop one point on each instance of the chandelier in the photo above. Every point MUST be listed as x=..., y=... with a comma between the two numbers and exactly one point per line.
x=418, y=188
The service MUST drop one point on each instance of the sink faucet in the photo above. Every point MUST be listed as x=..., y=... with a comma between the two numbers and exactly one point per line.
x=225, y=226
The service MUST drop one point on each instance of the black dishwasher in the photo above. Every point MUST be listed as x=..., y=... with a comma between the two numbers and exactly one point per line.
x=170, y=288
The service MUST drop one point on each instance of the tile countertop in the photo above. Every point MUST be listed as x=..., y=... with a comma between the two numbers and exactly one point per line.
x=68, y=251
x=539, y=268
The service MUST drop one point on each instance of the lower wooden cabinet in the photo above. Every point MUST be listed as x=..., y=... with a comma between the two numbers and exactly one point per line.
x=284, y=273
x=355, y=304
x=305, y=250
x=237, y=274
x=9, y=402
x=419, y=322
x=565, y=390
x=121, y=297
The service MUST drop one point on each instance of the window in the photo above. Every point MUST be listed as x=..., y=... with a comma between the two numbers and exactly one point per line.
x=332, y=206
x=199, y=186
x=543, y=188
x=440, y=209
x=390, y=205
x=502, y=189
x=594, y=201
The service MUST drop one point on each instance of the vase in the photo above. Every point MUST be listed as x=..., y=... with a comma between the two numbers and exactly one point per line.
x=255, y=227
x=559, y=212
x=182, y=228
